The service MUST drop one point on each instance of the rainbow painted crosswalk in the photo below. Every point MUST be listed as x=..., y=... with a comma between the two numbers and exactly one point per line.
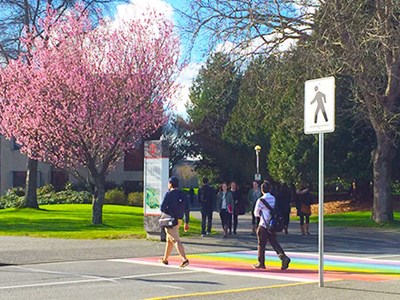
x=303, y=267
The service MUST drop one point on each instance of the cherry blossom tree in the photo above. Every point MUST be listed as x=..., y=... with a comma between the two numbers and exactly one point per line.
x=81, y=96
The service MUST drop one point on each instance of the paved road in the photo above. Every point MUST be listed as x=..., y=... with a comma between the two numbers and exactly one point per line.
x=34, y=268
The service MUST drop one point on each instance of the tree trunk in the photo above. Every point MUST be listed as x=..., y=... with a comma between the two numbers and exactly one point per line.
x=98, y=200
x=31, y=184
x=382, y=157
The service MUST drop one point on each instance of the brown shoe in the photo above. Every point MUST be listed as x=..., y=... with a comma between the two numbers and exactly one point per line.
x=184, y=263
x=165, y=262
x=258, y=266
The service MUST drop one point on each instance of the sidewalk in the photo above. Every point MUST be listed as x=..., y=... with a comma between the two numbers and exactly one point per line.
x=360, y=241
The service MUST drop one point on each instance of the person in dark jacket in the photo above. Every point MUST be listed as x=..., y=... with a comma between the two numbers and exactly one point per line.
x=304, y=207
x=177, y=205
x=206, y=197
x=237, y=206
x=283, y=197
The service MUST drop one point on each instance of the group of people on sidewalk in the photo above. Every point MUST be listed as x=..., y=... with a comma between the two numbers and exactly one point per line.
x=229, y=203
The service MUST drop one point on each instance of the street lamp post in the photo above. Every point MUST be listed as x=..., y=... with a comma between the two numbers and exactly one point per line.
x=257, y=148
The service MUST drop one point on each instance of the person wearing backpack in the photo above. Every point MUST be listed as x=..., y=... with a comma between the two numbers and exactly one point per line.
x=263, y=233
x=206, y=196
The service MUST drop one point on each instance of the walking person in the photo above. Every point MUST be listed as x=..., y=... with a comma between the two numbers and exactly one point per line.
x=225, y=206
x=206, y=197
x=191, y=196
x=304, y=207
x=283, y=204
x=238, y=207
x=177, y=205
x=252, y=196
x=263, y=233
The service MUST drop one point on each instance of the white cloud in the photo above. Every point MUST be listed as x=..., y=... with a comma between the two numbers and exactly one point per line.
x=185, y=81
x=136, y=8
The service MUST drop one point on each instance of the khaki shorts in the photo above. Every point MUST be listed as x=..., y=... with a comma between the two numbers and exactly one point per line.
x=173, y=233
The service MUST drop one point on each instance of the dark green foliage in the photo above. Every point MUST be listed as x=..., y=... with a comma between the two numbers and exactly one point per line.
x=213, y=97
x=46, y=189
x=115, y=196
x=177, y=135
x=14, y=197
x=46, y=195
x=66, y=197
x=135, y=199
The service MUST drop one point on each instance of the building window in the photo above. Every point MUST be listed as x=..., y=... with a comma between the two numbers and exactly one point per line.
x=133, y=160
x=19, y=179
x=58, y=179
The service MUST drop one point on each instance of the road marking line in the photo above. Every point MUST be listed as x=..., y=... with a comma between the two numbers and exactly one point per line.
x=94, y=279
x=61, y=273
x=171, y=287
x=383, y=256
x=229, y=291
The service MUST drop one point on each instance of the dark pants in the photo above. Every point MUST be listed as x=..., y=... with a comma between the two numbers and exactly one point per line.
x=286, y=218
x=206, y=219
x=225, y=216
x=302, y=216
x=264, y=235
x=235, y=222
x=230, y=223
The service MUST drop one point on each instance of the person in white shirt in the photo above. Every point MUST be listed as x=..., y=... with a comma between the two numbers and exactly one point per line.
x=263, y=233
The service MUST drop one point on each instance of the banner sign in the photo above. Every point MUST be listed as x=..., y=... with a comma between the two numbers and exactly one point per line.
x=156, y=171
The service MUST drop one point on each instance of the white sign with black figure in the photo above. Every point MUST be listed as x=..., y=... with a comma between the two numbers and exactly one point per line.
x=319, y=105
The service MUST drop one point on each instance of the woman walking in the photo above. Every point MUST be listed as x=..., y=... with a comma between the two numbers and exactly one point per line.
x=225, y=206
x=237, y=206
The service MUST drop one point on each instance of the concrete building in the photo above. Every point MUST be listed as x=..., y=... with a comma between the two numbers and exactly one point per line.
x=128, y=172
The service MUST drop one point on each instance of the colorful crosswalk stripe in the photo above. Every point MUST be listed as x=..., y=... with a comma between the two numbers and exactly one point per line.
x=303, y=267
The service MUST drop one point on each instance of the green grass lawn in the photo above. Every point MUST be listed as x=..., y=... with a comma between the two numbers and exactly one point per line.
x=357, y=219
x=74, y=221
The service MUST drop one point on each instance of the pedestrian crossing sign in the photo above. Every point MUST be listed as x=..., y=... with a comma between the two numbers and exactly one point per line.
x=319, y=105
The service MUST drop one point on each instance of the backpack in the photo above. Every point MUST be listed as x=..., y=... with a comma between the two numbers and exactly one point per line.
x=276, y=223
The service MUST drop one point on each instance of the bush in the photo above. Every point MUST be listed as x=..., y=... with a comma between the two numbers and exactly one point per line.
x=135, y=199
x=14, y=197
x=18, y=191
x=46, y=189
x=395, y=187
x=115, y=196
x=65, y=197
x=45, y=195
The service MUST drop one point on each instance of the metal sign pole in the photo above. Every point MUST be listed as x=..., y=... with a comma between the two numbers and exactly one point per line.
x=319, y=117
x=321, y=210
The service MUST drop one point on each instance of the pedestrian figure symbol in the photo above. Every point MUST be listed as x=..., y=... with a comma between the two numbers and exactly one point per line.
x=320, y=98
x=319, y=105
